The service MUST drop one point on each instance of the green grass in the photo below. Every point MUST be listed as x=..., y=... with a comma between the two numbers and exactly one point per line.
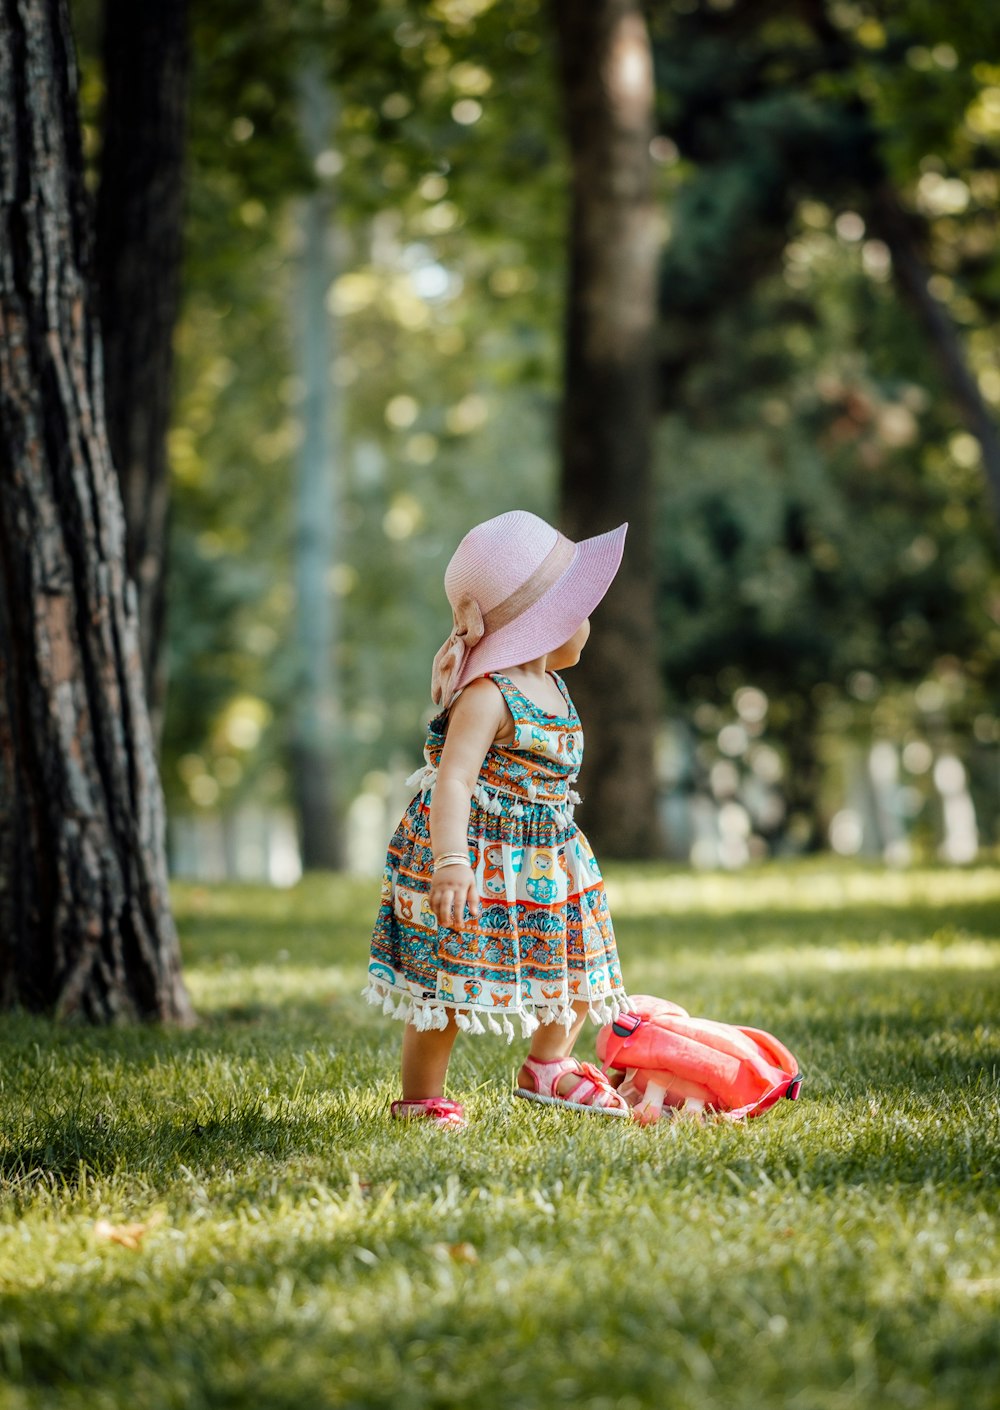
x=843, y=1251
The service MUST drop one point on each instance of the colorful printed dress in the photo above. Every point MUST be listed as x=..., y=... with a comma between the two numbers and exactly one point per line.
x=543, y=938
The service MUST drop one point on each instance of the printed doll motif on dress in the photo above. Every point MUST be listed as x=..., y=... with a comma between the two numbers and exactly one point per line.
x=543, y=938
x=502, y=916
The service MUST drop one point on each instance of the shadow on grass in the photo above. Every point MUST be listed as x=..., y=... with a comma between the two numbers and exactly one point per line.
x=155, y=1101
x=66, y=1151
x=248, y=1154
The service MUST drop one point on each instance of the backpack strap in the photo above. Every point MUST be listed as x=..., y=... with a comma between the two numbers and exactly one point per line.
x=623, y=1028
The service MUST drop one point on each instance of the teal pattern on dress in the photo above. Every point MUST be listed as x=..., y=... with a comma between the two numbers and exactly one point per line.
x=543, y=939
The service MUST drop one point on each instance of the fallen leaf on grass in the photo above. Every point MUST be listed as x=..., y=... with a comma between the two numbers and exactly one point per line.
x=128, y=1235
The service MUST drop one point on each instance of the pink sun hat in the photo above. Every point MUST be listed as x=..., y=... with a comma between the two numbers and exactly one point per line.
x=518, y=588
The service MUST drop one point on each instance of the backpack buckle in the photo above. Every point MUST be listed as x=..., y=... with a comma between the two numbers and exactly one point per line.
x=626, y=1024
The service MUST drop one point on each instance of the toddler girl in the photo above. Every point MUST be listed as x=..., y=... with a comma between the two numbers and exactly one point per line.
x=493, y=908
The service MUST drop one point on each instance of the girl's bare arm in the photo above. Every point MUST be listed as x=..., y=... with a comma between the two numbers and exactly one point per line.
x=477, y=717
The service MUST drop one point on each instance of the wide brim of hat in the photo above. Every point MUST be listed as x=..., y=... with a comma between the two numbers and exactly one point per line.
x=553, y=619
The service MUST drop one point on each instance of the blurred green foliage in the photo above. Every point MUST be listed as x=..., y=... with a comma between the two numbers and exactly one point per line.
x=824, y=531
x=822, y=521
x=446, y=306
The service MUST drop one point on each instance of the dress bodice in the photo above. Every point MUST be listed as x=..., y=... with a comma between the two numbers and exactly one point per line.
x=544, y=757
x=541, y=946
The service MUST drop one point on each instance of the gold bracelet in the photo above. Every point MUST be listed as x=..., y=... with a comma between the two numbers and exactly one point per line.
x=451, y=859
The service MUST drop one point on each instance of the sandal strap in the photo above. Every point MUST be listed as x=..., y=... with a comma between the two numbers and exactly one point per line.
x=545, y=1073
x=591, y=1089
x=438, y=1109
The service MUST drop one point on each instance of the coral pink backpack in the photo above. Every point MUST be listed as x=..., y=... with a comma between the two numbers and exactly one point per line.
x=695, y=1064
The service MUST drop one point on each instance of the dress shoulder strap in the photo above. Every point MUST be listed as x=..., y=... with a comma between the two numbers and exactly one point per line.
x=521, y=707
x=514, y=698
x=571, y=708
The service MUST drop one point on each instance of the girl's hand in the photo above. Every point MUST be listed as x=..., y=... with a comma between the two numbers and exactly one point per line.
x=453, y=890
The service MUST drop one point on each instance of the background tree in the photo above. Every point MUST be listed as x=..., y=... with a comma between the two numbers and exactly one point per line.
x=818, y=515
x=828, y=547
x=85, y=922
x=808, y=100
x=140, y=211
x=607, y=407
x=316, y=718
x=446, y=301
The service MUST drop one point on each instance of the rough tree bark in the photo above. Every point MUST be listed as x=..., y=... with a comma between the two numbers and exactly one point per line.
x=140, y=209
x=608, y=403
x=85, y=922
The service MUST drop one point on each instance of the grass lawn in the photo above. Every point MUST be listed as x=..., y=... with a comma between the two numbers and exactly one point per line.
x=299, y=1250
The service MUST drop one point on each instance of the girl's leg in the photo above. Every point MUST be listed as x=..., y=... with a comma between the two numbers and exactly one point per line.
x=425, y=1060
x=551, y=1041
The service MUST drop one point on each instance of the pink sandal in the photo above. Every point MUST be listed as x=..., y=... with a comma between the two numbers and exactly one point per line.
x=438, y=1110
x=593, y=1093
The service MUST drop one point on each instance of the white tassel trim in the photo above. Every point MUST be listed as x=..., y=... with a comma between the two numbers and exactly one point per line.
x=528, y=1023
x=421, y=779
x=561, y=1012
x=427, y=1014
x=489, y=797
x=373, y=992
x=426, y=774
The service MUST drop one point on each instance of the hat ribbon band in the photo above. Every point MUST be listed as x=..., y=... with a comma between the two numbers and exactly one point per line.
x=546, y=575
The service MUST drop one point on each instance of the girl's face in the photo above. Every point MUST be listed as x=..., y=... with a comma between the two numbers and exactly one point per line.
x=569, y=653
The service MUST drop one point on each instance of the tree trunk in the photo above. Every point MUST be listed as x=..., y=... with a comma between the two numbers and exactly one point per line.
x=85, y=922
x=900, y=233
x=315, y=719
x=803, y=821
x=140, y=212
x=607, y=413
